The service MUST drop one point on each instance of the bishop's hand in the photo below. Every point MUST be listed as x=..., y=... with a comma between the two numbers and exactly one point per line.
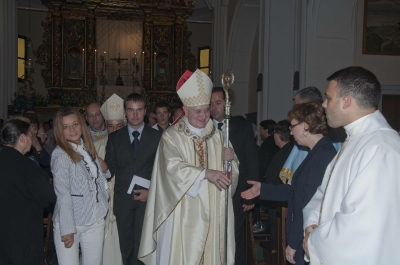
x=227, y=154
x=218, y=178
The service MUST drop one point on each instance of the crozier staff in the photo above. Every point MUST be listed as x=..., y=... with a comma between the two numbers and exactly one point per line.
x=184, y=221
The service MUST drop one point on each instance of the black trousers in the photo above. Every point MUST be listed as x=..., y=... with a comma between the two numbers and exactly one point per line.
x=240, y=219
x=129, y=227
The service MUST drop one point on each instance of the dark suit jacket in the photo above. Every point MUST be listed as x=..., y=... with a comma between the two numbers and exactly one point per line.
x=273, y=170
x=306, y=180
x=24, y=192
x=242, y=139
x=269, y=149
x=122, y=162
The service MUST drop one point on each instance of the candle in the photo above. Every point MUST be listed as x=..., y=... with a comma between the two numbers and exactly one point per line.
x=155, y=64
x=83, y=63
x=104, y=65
x=95, y=64
x=142, y=64
x=134, y=67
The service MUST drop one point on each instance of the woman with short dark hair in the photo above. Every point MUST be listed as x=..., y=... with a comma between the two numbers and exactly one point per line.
x=24, y=192
x=307, y=125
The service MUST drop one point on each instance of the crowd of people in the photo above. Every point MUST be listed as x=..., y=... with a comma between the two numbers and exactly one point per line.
x=127, y=184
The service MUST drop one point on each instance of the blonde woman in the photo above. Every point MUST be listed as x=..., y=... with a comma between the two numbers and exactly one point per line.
x=82, y=191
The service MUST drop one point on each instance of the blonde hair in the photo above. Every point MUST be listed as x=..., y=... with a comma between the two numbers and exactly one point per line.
x=86, y=136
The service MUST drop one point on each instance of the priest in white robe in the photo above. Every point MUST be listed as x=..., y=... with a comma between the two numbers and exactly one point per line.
x=185, y=216
x=353, y=218
x=113, y=113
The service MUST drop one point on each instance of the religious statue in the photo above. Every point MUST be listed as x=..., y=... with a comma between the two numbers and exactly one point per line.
x=162, y=71
x=74, y=63
x=26, y=98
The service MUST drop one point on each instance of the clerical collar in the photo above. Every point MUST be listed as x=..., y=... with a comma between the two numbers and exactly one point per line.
x=197, y=131
x=350, y=128
x=99, y=134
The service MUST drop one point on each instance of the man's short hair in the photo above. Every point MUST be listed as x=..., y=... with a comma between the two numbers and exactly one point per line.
x=135, y=97
x=219, y=89
x=360, y=84
x=268, y=125
x=310, y=94
x=162, y=104
x=282, y=130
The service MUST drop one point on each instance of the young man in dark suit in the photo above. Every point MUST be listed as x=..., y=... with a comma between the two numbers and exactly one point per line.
x=241, y=136
x=131, y=152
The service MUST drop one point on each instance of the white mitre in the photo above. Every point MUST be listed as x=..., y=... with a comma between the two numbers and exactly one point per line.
x=194, y=89
x=113, y=108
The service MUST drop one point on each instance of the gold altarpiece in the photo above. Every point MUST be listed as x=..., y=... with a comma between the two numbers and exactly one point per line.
x=75, y=72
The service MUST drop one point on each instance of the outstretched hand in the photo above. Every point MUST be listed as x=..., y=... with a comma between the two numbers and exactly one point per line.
x=253, y=191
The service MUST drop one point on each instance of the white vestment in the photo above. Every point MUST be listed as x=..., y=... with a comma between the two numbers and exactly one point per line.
x=185, y=215
x=111, y=250
x=361, y=210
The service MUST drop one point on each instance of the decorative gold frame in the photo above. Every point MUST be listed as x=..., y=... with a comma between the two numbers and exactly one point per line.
x=162, y=20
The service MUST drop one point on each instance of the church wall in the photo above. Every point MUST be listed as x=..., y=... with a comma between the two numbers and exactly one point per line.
x=201, y=37
x=279, y=58
x=253, y=73
x=36, y=18
x=239, y=52
x=330, y=39
x=385, y=67
x=335, y=42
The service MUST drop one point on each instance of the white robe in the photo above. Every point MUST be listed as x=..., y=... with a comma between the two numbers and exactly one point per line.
x=361, y=211
x=111, y=249
x=184, y=220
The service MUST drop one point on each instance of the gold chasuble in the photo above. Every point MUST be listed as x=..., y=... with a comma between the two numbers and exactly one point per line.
x=196, y=231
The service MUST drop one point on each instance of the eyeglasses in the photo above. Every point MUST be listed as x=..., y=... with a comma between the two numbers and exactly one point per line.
x=292, y=126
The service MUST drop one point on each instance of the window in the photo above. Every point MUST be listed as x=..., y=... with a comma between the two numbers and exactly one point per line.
x=21, y=57
x=204, y=59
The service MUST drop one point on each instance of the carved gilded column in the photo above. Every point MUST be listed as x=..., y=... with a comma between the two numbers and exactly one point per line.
x=179, y=40
x=91, y=46
x=147, y=43
x=57, y=44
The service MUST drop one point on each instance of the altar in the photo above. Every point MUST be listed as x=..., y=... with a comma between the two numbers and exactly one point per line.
x=93, y=49
x=121, y=91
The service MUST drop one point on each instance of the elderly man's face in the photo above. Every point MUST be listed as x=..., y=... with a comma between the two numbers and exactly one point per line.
x=94, y=117
x=114, y=125
x=198, y=116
